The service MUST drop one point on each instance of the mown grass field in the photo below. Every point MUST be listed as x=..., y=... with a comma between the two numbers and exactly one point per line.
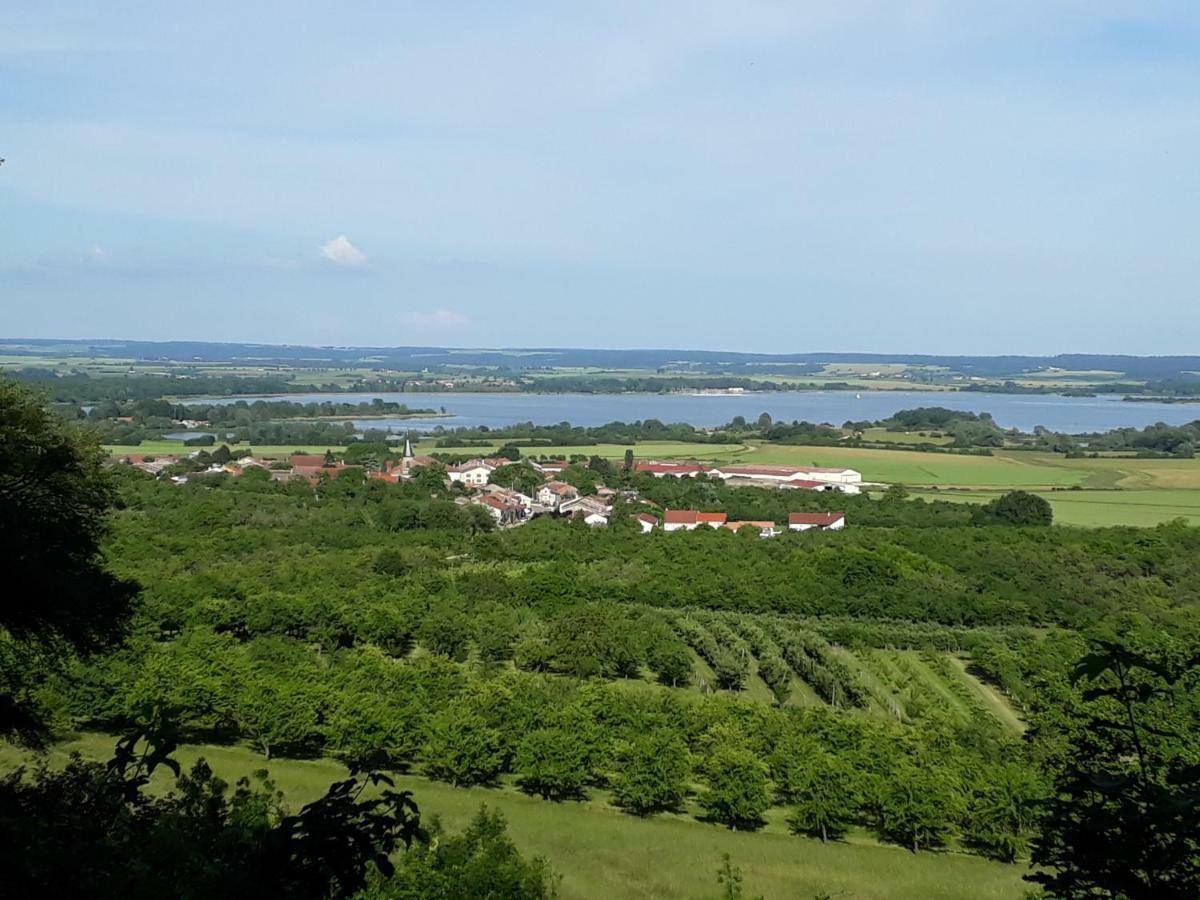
x=602, y=852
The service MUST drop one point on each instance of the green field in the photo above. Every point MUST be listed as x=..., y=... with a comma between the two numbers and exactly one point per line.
x=1103, y=508
x=601, y=852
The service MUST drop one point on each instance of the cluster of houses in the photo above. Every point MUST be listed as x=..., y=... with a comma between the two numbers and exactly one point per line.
x=509, y=506
x=812, y=478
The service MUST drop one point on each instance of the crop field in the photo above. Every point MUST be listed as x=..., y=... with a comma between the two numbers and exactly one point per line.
x=1101, y=508
x=602, y=852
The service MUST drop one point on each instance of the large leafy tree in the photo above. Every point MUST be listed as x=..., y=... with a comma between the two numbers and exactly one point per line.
x=651, y=773
x=825, y=800
x=1016, y=508
x=1122, y=820
x=738, y=791
x=552, y=762
x=93, y=830
x=462, y=748
x=480, y=862
x=918, y=804
x=59, y=600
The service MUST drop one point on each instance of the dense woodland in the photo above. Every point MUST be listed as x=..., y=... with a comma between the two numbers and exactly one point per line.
x=843, y=676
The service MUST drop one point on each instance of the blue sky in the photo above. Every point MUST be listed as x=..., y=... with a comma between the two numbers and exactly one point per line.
x=970, y=177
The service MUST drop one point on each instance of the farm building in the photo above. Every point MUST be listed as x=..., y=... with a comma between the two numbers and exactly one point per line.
x=672, y=469
x=830, y=521
x=847, y=480
x=474, y=472
x=690, y=519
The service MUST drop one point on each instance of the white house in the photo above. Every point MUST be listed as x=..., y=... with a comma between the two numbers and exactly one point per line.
x=831, y=521
x=474, y=472
x=595, y=519
x=553, y=493
x=646, y=521
x=690, y=519
x=585, y=506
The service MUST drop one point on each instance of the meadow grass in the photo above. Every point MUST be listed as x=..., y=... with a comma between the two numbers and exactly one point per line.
x=601, y=852
x=1102, y=509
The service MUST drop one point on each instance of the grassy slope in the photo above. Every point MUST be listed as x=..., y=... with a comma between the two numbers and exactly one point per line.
x=991, y=699
x=604, y=853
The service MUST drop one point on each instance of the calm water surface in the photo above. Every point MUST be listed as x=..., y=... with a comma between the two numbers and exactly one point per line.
x=1069, y=414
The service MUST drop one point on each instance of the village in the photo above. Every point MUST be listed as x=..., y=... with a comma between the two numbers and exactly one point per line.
x=510, y=507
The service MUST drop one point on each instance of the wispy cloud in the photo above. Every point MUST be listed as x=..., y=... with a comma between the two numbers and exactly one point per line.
x=341, y=252
x=437, y=319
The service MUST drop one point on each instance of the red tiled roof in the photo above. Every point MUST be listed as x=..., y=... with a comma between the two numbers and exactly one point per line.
x=822, y=519
x=755, y=524
x=667, y=468
x=707, y=517
x=777, y=471
x=680, y=517
x=497, y=503
x=646, y=517
x=307, y=459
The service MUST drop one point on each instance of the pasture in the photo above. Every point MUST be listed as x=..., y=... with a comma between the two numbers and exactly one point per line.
x=602, y=852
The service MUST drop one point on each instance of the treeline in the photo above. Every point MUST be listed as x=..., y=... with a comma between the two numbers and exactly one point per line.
x=241, y=412
x=77, y=388
x=566, y=435
x=651, y=384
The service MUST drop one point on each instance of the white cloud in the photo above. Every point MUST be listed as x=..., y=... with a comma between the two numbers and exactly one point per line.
x=341, y=252
x=437, y=319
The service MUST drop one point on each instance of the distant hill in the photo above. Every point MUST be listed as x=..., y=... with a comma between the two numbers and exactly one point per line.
x=533, y=358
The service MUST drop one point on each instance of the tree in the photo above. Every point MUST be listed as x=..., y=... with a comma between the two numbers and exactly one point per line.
x=917, y=805
x=1002, y=813
x=552, y=762
x=671, y=661
x=628, y=465
x=462, y=749
x=737, y=791
x=59, y=599
x=1016, y=508
x=446, y=631
x=279, y=714
x=518, y=477
x=370, y=730
x=824, y=803
x=1121, y=821
x=480, y=862
x=651, y=772
x=92, y=828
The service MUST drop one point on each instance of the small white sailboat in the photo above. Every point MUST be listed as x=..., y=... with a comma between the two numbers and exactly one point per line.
x=858, y=396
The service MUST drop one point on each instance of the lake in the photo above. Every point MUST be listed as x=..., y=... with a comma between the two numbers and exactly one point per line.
x=1023, y=411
